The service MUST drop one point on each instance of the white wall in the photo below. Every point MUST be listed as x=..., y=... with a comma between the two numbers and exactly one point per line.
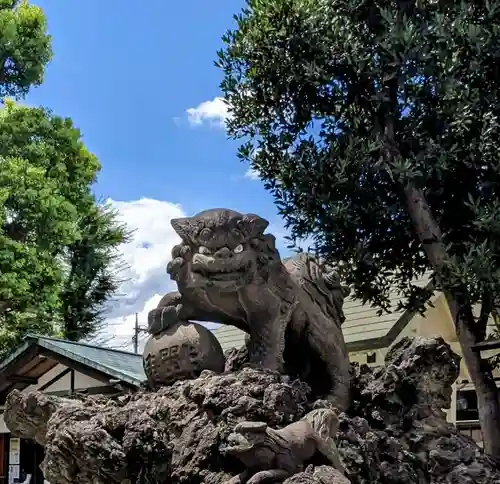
x=81, y=382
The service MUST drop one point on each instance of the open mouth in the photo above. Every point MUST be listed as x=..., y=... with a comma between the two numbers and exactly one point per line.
x=225, y=276
x=222, y=273
x=237, y=443
x=237, y=448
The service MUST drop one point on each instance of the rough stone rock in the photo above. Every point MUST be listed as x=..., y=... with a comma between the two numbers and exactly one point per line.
x=235, y=358
x=318, y=475
x=393, y=433
x=396, y=430
x=170, y=435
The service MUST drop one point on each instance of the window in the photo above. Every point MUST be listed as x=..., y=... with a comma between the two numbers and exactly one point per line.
x=371, y=358
x=467, y=405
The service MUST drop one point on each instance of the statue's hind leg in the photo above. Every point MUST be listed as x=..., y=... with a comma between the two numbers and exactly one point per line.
x=326, y=340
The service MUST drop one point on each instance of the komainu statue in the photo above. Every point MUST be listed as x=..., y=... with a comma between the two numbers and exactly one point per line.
x=272, y=455
x=228, y=271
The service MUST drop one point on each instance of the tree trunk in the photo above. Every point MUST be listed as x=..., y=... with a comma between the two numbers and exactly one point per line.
x=482, y=378
x=429, y=233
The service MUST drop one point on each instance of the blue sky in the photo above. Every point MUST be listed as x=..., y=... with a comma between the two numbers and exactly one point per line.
x=141, y=85
x=127, y=75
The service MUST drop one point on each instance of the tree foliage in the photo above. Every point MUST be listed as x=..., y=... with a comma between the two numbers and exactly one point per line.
x=56, y=243
x=58, y=259
x=25, y=47
x=94, y=272
x=311, y=84
x=375, y=124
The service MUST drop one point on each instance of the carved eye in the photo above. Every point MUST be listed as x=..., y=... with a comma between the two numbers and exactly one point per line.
x=205, y=234
x=236, y=233
x=238, y=249
x=203, y=250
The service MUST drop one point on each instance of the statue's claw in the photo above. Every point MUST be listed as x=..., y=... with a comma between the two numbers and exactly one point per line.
x=180, y=250
x=180, y=255
x=174, y=266
x=162, y=318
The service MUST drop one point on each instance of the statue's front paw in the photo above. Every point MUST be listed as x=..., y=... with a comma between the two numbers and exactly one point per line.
x=180, y=255
x=162, y=318
x=268, y=476
x=240, y=478
x=174, y=267
x=256, y=479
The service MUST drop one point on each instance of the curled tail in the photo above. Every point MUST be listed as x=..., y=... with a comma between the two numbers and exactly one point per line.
x=325, y=423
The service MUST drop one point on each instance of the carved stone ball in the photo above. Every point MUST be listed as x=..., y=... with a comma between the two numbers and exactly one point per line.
x=180, y=352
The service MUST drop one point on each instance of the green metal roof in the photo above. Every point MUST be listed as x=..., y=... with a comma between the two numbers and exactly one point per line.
x=122, y=365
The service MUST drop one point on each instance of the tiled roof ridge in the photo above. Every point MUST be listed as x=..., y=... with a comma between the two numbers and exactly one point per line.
x=78, y=343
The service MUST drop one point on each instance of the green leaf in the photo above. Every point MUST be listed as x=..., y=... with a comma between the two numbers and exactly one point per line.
x=25, y=47
x=58, y=261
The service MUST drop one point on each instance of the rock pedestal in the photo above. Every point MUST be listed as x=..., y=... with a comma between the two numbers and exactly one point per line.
x=393, y=433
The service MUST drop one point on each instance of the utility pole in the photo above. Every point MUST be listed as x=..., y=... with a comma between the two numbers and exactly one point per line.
x=137, y=330
x=135, y=339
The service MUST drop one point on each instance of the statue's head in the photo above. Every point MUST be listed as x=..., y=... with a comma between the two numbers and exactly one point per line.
x=245, y=439
x=224, y=247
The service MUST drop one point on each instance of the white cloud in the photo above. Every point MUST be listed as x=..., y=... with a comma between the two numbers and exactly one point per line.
x=146, y=255
x=252, y=174
x=213, y=113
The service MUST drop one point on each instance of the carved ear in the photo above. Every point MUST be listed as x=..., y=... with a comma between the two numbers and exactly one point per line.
x=255, y=225
x=270, y=241
x=182, y=227
x=253, y=427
